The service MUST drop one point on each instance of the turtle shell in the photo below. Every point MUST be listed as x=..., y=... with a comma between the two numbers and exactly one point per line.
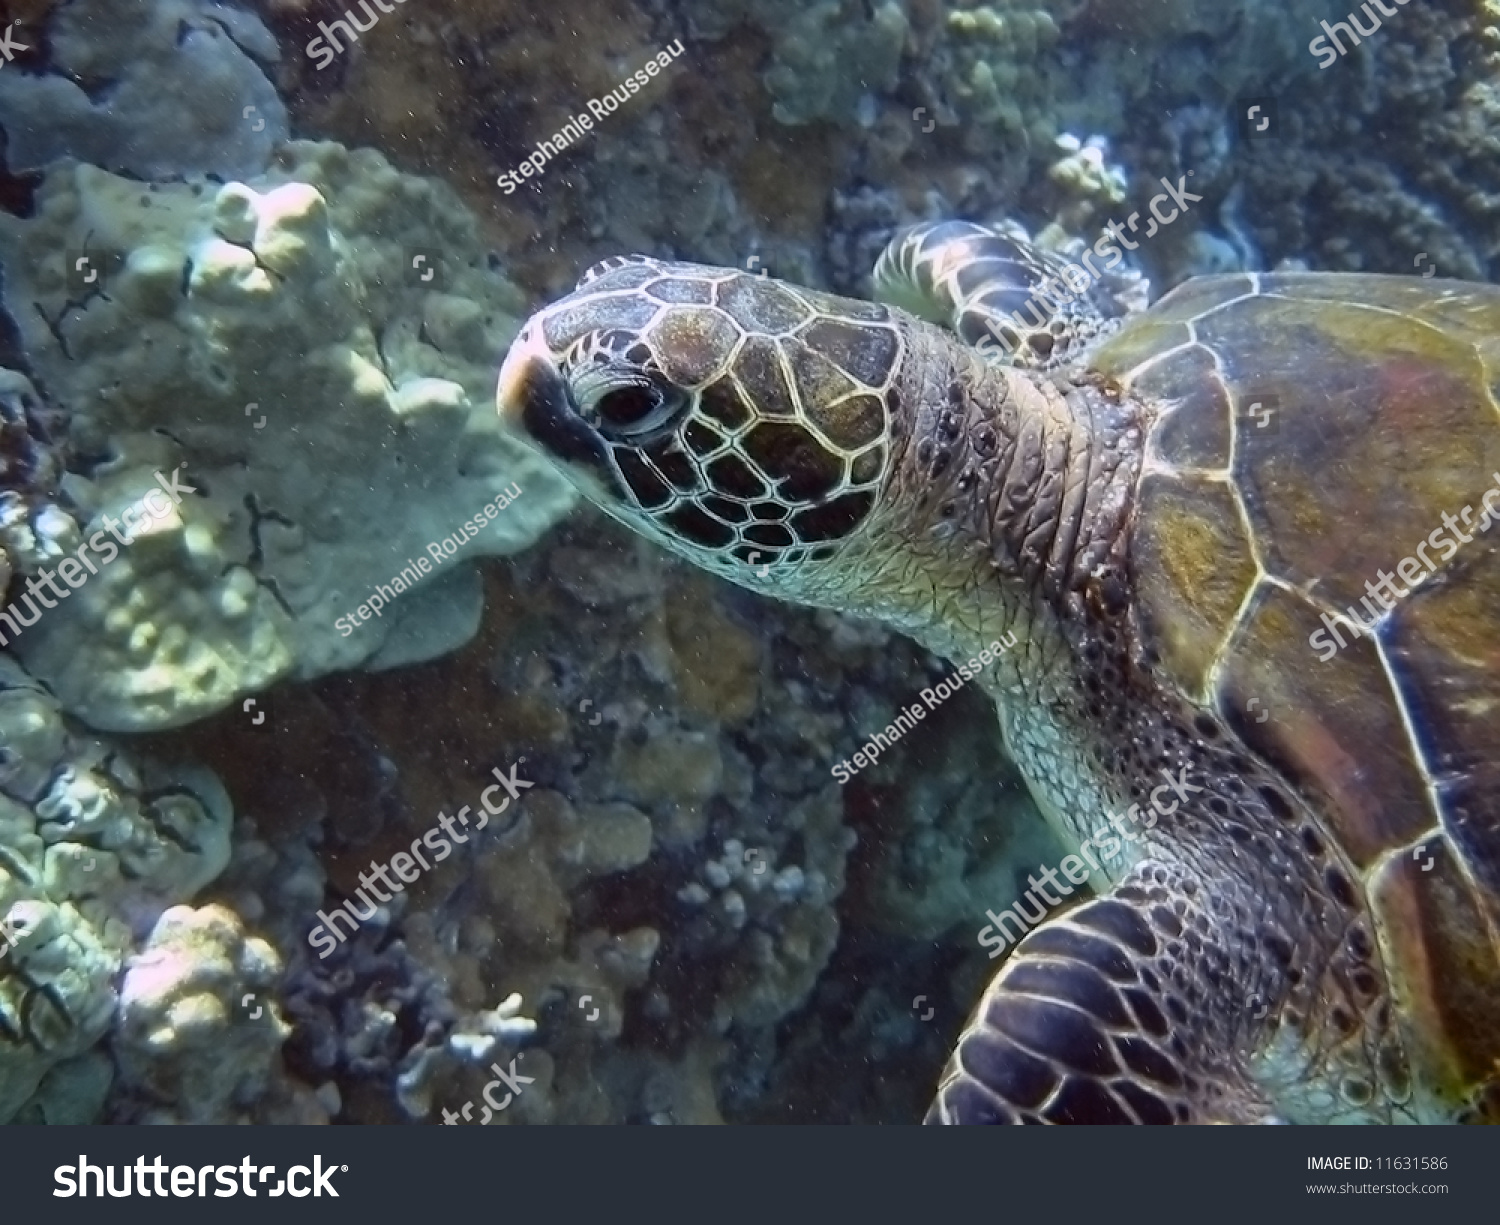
x=1311, y=434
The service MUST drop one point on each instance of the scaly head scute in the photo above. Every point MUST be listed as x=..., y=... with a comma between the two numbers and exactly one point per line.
x=739, y=421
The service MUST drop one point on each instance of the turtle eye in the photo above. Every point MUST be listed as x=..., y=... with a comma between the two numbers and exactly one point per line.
x=628, y=407
x=633, y=407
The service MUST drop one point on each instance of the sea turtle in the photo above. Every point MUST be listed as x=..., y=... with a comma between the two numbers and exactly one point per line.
x=1173, y=512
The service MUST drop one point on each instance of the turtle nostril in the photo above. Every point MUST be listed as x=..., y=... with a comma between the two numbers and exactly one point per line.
x=628, y=406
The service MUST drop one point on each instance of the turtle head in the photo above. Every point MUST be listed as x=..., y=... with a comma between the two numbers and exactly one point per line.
x=741, y=422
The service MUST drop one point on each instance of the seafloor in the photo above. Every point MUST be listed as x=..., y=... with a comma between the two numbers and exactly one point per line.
x=291, y=286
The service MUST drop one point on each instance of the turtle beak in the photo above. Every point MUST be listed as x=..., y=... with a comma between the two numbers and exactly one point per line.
x=527, y=366
x=534, y=402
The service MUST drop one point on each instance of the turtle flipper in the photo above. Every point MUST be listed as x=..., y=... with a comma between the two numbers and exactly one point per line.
x=1081, y=1025
x=1014, y=302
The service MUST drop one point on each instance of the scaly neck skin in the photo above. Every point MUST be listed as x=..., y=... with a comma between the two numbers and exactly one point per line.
x=1008, y=510
x=1005, y=512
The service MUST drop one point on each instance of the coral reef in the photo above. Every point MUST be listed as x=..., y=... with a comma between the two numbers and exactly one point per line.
x=1092, y=186
x=935, y=110
x=190, y=1031
x=154, y=88
x=684, y=919
x=93, y=847
x=316, y=352
x=830, y=60
x=694, y=163
x=33, y=454
x=950, y=110
x=1388, y=161
x=639, y=931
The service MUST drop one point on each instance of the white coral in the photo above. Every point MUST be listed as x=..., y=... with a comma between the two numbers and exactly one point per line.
x=318, y=349
x=196, y=1024
x=79, y=852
